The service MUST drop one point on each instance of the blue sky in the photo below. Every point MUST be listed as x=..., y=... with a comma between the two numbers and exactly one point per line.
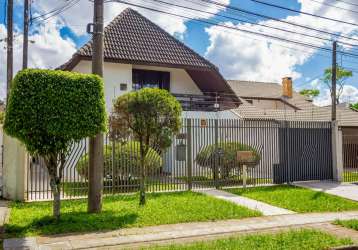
x=238, y=55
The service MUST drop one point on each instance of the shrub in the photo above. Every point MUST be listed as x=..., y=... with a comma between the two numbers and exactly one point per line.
x=126, y=159
x=48, y=110
x=152, y=117
x=2, y=117
x=225, y=154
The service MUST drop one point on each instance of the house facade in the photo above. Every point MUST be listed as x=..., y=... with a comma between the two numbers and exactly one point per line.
x=138, y=53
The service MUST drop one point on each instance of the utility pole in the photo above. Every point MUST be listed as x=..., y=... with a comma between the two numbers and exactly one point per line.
x=96, y=142
x=25, y=46
x=334, y=81
x=9, y=40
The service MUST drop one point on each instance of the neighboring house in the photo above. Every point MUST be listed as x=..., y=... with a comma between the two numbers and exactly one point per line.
x=138, y=53
x=273, y=101
x=262, y=100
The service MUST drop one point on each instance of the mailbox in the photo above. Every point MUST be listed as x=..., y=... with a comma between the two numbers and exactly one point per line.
x=181, y=152
x=246, y=157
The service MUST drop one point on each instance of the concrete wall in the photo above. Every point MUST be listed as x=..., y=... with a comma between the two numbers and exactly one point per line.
x=15, y=161
x=116, y=73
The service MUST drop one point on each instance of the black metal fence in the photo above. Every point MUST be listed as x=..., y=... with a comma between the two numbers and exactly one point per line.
x=202, y=155
x=350, y=162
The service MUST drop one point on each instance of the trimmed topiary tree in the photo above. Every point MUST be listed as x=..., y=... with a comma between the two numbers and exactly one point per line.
x=225, y=155
x=126, y=158
x=152, y=117
x=49, y=110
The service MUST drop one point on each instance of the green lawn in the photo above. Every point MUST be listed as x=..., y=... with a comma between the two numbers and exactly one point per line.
x=352, y=224
x=120, y=212
x=80, y=189
x=297, y=199
x=292, y=240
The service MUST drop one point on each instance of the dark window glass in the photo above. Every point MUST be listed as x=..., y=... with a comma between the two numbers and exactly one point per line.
x=123, y=87
x=150, y=79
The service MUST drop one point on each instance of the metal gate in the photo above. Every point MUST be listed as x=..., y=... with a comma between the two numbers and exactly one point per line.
x=350, y=154
x=305, y=152
x=288, y=151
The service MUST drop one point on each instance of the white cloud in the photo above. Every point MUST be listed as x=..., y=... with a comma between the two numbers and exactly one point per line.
x=349, y=95
x=80, y=14
x=249, y=57
x=49, y=50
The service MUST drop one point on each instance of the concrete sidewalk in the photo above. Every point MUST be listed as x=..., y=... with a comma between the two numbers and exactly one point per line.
x=128, y=238
x=344, y=190
x=264, y=208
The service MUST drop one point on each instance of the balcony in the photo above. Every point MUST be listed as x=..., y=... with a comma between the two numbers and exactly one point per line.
x=207, y=102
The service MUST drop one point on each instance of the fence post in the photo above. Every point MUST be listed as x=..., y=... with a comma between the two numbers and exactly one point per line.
x=337, y=152
x=216, y=157
x=189, y=153
x=288, y=148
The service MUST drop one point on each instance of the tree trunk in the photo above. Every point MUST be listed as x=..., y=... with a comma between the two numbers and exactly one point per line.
x=56, y=191
x=56, y=204
x=55, y=182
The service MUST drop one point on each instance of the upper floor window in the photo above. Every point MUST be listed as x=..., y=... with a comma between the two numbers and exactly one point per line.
x=150, y=79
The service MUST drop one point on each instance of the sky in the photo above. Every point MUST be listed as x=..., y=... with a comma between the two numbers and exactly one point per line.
x=238, y=55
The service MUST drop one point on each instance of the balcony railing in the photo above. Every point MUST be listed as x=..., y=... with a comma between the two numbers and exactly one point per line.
x=207, y=101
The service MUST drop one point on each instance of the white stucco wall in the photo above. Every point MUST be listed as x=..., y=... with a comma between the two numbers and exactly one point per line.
x=115, y=73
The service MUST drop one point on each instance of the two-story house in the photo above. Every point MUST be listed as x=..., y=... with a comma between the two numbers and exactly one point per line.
x=138, y=53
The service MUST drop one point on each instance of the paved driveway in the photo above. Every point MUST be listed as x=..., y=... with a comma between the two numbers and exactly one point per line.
x=345, y=190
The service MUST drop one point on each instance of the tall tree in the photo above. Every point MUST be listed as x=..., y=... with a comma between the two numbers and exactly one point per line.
x=152, y=117
x=342, y=76
x=40, y=114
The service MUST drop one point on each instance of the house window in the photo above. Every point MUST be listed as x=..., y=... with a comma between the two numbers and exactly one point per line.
x=123, y=86
x=150, y=79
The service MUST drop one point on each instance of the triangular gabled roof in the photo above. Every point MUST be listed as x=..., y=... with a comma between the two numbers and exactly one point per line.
x=132, y=38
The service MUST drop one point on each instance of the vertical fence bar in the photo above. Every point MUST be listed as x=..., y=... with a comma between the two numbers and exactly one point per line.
x=189, y=155
x=216, y=157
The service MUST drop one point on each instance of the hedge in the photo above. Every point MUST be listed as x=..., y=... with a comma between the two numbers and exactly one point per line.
x=49, y=109
x=126, y=159
x=225, y=153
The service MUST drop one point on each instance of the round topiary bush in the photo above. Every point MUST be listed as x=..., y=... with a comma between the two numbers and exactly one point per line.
x=126, y=160
x=49, y=110
x=224, y=154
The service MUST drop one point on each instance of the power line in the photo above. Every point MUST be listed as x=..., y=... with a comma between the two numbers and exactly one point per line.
x=278, y=20
x=69, y=5
x=334, y=6
x=346, y=2
x=235, y=28
x=304, y=13
x=258, y=24
x=52, y=11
